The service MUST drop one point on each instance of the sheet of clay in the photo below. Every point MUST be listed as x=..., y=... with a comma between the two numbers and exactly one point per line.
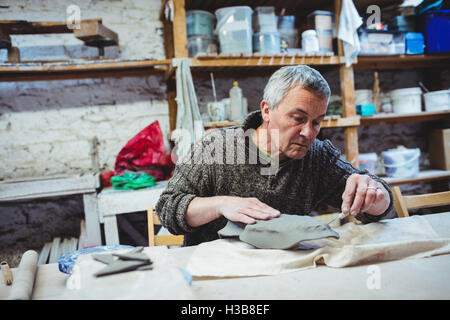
x=284, y=232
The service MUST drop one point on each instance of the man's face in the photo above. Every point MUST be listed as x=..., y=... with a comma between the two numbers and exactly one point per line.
x=295, y=123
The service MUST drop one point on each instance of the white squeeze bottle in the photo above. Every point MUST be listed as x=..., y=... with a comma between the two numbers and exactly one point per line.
x=235, y=102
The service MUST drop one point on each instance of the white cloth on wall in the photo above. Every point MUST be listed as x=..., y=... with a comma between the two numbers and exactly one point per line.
x=189, y=125
x=387, y=240
x=349, y=22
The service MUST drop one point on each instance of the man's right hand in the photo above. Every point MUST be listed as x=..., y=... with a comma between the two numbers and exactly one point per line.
x=245, y=210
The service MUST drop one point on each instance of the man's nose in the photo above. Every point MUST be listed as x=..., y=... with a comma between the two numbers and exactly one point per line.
x=307, y=131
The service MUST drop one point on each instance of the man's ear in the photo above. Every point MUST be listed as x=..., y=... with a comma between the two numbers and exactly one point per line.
x=265, y=110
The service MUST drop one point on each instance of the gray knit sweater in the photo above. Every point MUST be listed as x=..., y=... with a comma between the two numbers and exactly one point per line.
x=224, y=162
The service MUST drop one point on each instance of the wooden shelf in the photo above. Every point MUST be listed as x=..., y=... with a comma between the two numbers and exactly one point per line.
x=424, y=176
x=403, y=61
x=328, y=122
x=80, y=69
x=404, y=118
x=260, y=60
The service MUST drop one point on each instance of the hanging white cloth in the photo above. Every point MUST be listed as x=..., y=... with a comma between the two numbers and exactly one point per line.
x=349, y=22
x=189, y=126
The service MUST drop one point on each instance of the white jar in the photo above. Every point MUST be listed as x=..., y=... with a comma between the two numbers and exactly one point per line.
x=310, y=42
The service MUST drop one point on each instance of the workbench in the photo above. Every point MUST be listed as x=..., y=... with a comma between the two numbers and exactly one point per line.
x=413, y=278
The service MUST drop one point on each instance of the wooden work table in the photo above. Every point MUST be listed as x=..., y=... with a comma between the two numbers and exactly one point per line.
x=414, y=278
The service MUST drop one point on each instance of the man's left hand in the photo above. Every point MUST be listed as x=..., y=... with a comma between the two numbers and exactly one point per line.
x=363, y=194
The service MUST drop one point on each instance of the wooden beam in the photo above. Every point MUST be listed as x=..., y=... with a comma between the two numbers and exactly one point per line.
x=179, y=29
x=95, y=34
x=30, y=27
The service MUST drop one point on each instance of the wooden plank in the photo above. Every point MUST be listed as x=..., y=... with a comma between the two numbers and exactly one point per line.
x=92, y=220
x=94, y=33
x=55, y=250
x=428, y=200
x=50, y=187
x=253, y=61
x=112, y=202
x=423, y=176
x=44, y=254
x=111, y=231
x=179, y=30
x=39, y=27
x=390, y=118
x=403, y=61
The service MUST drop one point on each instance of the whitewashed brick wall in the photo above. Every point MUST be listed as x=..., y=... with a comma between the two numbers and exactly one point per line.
x=47, y=127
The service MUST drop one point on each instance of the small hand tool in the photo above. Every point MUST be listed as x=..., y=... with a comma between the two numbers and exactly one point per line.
x=7, y=273
x=339, y=216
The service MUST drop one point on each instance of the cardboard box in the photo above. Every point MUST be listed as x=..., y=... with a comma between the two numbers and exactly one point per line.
x=439, y=148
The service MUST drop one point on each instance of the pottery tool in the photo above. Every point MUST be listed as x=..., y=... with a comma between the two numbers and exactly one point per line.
x=339, y=216
x=24, y=282
x=213, y=87
x=7, y=274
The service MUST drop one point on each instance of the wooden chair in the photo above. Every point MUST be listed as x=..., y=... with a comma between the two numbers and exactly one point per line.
x=160, y=240
x=403, y=203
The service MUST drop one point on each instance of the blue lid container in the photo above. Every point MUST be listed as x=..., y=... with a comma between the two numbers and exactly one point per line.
x=414, y=43
x=437, y=30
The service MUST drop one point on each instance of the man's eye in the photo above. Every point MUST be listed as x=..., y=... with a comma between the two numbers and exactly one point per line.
x=299, y=119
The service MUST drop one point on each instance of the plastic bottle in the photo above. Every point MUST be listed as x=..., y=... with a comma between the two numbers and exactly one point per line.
x=310, y=42
x=235, y=102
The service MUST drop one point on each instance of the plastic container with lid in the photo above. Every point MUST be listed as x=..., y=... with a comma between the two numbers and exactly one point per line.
x=310, y=43
x=437, y=100
x=202, y=44
x=266, y=42
x=401, y=162
x=263, y=19
x=200, y=22
x=436, y=30
x=234, y=29
x=320, y=20
x=285, y=22
x=407, y=100
x=325, y=38
x=414, y=43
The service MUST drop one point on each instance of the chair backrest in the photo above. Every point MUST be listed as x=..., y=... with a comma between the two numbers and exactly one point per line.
x=160, y=240
x=403, y=203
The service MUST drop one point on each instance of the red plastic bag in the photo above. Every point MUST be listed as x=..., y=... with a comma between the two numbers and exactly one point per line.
x=146, y=152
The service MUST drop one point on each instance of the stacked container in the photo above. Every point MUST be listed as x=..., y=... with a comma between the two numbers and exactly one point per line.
x=266, y=38
x=288, y=32
x=200, y=32
x=234, y=29
x=322, y=22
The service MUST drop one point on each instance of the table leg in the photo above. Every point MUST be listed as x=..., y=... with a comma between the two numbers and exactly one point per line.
x=111, y=231
x=93, y=232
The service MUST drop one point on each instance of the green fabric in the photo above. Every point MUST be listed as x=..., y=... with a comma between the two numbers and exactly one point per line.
x=132, y=180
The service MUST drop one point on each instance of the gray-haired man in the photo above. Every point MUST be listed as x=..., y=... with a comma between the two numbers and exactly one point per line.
x=210, y=187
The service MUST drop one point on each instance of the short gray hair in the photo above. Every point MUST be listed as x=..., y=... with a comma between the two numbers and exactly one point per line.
x=289, y=77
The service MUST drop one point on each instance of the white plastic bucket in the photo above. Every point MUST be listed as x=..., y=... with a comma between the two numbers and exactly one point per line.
x=363, y=96
x=368, y=162
x=407, y=100
x=437, y=100
x=401, y=163
x=234, y=29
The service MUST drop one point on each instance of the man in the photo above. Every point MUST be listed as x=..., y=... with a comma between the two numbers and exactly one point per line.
x=271, y=164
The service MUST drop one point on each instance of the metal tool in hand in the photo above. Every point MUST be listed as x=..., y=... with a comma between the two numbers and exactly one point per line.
x=339, y=216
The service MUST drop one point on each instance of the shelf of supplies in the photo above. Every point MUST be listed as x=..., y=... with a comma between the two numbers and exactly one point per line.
x=80, y=69
x=328, y=122
x=424, y=176
x=388, y=118
x=404, y=61
x=214, y=61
